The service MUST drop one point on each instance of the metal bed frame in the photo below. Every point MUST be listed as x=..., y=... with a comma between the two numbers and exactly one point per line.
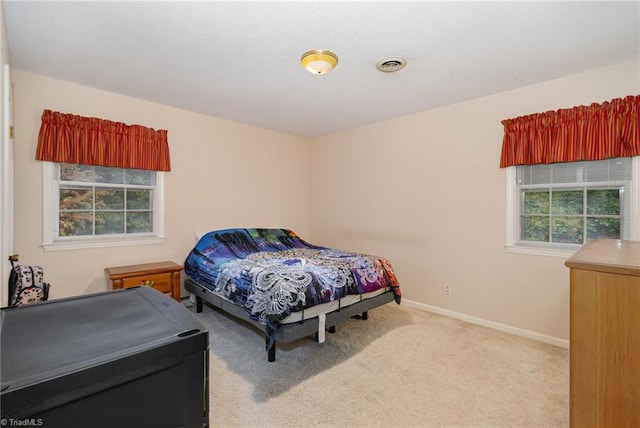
x=293, y=331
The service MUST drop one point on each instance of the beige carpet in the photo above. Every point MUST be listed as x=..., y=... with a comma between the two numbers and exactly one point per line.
x=400, y=368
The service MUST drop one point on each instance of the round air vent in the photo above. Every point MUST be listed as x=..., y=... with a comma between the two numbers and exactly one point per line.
x=391, y=64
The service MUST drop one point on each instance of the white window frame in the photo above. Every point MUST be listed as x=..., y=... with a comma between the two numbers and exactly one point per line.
x=51, y=242
x=513, y=201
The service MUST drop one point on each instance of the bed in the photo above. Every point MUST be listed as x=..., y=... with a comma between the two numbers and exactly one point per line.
x=284, y=285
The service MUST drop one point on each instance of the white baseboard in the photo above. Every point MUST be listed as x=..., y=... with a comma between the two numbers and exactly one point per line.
x=490, y=324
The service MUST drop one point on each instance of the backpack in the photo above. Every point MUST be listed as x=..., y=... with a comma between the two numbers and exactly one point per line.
x=26, y=284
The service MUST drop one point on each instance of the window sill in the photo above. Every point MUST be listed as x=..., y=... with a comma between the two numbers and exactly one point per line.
x=540, y=251
x=102, y=243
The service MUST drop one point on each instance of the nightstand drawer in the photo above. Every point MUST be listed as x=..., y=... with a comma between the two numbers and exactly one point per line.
x=160, y=282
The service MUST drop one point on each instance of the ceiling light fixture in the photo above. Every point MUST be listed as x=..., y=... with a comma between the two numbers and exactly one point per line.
x=319, y=61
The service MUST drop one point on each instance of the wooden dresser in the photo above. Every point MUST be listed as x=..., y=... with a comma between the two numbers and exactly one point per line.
x=162, y=276
x=605, y=334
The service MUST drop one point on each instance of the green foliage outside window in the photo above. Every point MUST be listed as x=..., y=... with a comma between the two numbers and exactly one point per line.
x=105, y=201
x=559, y=215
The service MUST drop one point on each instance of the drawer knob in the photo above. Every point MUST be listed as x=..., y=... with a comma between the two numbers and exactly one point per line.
x=148, y=283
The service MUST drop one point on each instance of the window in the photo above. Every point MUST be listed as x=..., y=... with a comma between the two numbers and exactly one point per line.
x=560, y=206
x=101, y=206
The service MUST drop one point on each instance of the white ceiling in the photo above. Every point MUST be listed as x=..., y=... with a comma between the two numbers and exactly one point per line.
x=239, y=60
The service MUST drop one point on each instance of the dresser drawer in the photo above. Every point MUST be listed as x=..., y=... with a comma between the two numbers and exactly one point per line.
x=160, y=282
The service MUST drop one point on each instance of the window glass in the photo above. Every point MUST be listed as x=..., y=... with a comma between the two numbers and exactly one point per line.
x=570, y=203
x=103, y=201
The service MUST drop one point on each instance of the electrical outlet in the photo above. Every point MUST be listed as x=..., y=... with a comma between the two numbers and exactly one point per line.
x=447, y=289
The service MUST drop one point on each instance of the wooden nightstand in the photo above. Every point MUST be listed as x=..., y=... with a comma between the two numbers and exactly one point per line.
x=162, y=276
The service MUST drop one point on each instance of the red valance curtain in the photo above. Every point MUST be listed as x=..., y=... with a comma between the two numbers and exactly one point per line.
x=91, y=141
x=595, y=132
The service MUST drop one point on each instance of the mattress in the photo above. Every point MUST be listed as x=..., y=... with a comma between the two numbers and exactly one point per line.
x=272, y=274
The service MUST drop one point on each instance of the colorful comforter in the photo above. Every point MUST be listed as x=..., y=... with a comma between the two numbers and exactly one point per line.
x=272, y=272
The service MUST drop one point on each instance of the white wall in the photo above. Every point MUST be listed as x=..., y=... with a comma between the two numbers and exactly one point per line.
x=426, y=191
x=224, y=174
